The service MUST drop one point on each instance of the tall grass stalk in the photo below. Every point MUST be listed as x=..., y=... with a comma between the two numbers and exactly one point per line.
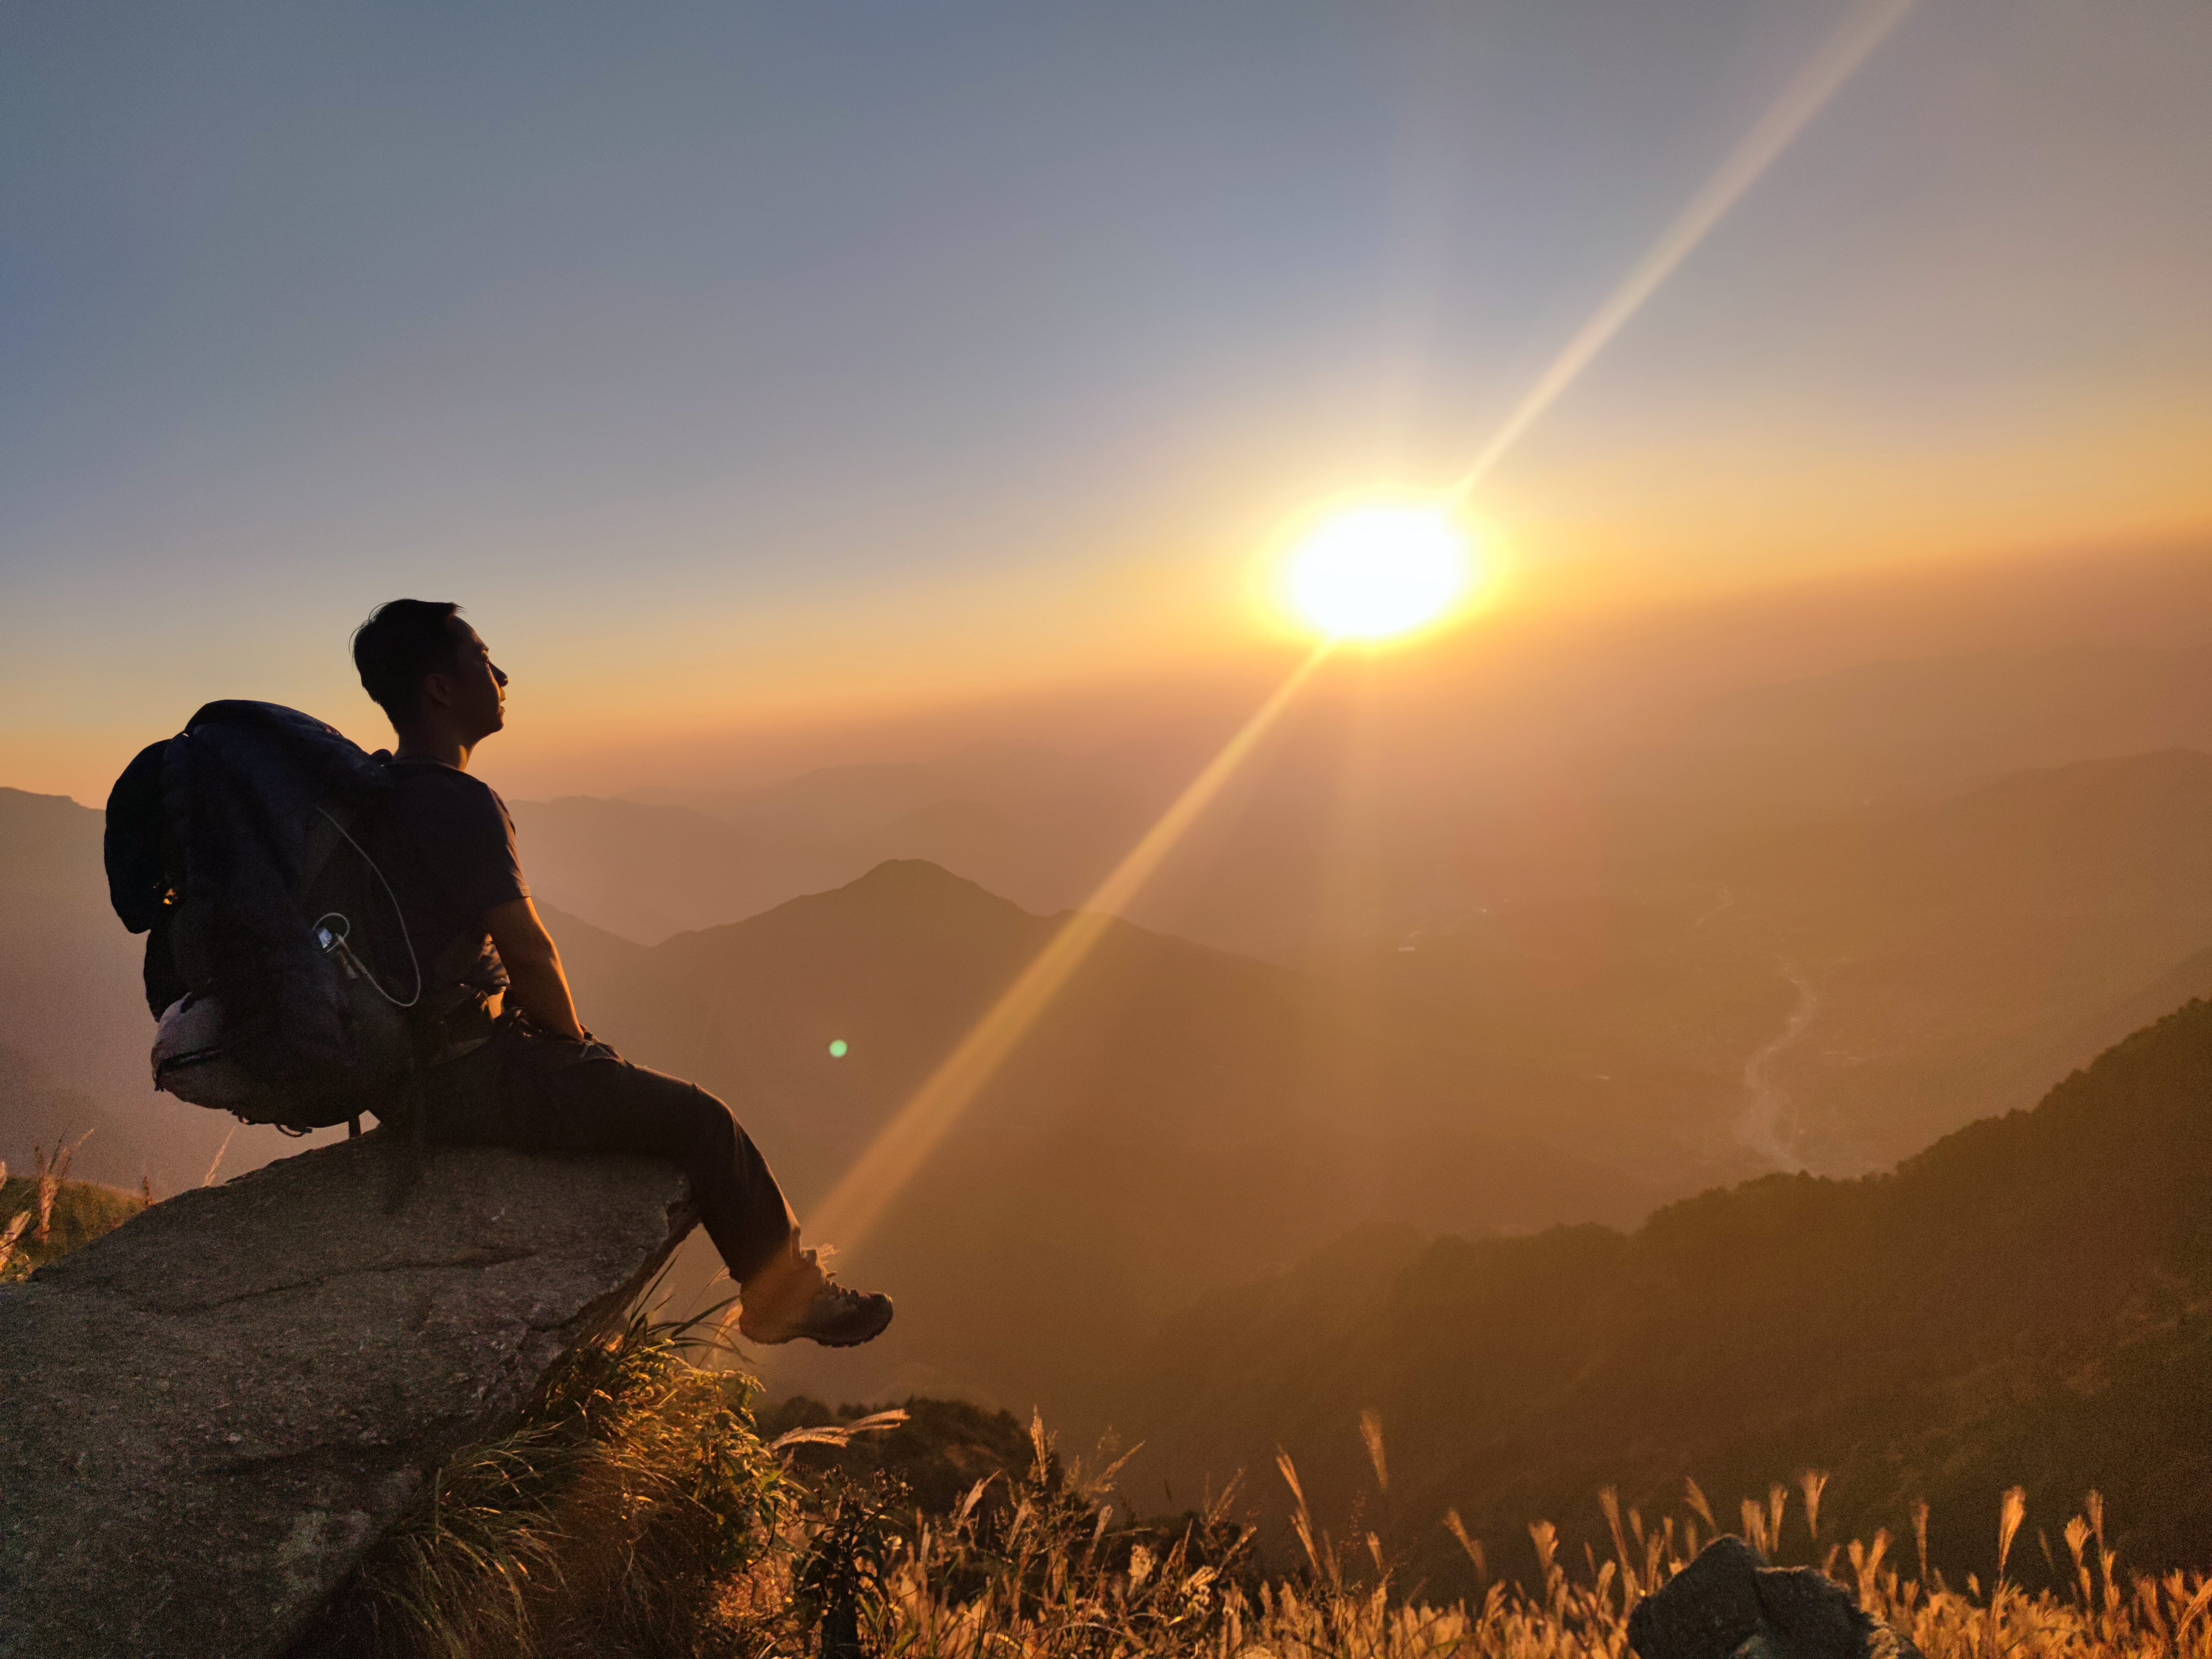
x=45, y=1216
x=946, y=1594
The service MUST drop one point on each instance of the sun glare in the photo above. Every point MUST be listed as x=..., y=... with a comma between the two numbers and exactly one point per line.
x=1375, y=572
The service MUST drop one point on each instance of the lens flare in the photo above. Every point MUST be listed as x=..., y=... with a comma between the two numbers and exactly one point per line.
x=904, y=1144
x=1376, y=572
x=1368, y=573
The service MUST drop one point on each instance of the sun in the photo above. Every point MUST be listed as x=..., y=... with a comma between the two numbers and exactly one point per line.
x=1372, y=573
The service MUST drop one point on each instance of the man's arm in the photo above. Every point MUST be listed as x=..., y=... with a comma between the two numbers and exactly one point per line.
x=536, y=984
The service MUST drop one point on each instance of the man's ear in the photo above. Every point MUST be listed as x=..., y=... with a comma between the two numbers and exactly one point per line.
x=438, y=690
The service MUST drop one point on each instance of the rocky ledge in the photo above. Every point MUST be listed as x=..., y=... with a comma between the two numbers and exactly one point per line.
x=207, y=1416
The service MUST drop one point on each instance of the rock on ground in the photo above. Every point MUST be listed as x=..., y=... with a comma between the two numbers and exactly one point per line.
x=209, y=1415
x=1727, y=1602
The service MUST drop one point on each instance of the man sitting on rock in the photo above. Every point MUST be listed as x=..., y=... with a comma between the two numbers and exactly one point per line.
x=507, y=1063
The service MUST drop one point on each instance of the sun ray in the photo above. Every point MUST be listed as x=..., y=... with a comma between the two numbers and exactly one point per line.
x=1867, y=26
x=858, y=1200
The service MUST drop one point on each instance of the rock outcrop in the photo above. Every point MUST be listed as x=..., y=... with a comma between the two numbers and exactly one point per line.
x=1728, y=1604
x=209, y=1415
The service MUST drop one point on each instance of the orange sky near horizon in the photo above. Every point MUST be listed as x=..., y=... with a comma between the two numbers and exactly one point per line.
x=629, y=723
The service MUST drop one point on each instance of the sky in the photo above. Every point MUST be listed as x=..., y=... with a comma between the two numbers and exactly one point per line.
x=754, y=369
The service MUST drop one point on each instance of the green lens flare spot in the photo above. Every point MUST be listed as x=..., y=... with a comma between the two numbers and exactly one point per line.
x=837, y=1048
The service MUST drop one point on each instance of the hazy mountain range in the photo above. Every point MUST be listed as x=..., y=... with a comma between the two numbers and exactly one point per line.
x=1180, y=1117
x=1828, y=994
x=1868, y=983
x=1444, y=822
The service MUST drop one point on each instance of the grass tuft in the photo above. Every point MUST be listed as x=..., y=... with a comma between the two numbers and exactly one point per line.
x=612, y=1521
x=45, y=1216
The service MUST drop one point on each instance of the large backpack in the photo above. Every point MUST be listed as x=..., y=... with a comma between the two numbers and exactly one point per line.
x=277, y=959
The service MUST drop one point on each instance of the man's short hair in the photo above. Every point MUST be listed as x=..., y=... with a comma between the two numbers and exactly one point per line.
x=404, y=642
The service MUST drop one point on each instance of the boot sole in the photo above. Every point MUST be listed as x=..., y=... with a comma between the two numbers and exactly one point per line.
x=831, y=1338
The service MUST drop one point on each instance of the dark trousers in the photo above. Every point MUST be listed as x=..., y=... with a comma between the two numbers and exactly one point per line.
x=537, y=1092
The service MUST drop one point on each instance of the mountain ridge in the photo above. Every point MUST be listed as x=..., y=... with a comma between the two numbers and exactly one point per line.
x=2028, y=1300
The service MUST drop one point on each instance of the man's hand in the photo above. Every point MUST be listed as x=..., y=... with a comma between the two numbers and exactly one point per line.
x=537, y=985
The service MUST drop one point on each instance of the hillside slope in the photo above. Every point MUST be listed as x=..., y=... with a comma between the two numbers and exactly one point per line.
x=2028, y=1301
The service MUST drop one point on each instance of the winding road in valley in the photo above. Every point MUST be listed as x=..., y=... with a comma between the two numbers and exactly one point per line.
x=1764, y=1123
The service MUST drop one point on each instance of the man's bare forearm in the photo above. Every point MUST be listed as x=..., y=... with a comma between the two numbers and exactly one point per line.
x=536, y=984
x=540, y=989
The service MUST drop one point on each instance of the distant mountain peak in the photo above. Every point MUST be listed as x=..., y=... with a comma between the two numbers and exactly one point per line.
x=899, y=896
x=908, y=882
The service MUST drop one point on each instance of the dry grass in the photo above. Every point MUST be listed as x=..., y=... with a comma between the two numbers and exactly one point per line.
x=1047, y=1562
x=1045, y=1584
x=607, y=1523
x=47, y=1215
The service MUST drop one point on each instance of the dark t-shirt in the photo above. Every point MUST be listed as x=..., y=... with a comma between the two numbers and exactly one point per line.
x=449, y=845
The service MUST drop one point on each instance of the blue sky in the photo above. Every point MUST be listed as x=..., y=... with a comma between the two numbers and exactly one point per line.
x=736, y=360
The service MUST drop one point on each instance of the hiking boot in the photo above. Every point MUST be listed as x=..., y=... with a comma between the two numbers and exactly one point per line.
x=798, y=1299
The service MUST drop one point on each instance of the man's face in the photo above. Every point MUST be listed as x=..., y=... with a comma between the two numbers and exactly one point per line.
x=475, y=692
